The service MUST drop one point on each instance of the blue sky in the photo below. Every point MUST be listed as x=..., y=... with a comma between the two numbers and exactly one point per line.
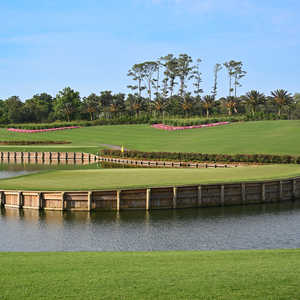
x=89, y=45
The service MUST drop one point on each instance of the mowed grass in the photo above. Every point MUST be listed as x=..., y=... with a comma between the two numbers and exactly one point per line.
x=133, y=178
x=230, y=275
x=268, y=137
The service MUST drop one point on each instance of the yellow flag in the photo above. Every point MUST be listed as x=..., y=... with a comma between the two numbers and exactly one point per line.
x=122, y=149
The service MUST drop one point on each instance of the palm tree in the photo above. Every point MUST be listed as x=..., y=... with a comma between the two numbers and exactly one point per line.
x=135, y=104
x=230, y=103
x=253, y=99
x=90, y=105
x=160, y=105
x=208, y=103
x=281, y=98
x=117, y=104
x=187, y=104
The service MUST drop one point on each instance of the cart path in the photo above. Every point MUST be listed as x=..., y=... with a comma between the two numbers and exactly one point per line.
x=113, y=147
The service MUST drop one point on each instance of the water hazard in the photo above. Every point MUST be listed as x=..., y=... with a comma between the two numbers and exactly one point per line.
x=247, y=227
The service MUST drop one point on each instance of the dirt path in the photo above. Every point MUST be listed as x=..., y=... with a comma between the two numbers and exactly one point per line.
x=113, y=147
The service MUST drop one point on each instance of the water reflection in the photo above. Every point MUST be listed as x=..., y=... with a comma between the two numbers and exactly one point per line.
x=246, y=227
x=12, y=169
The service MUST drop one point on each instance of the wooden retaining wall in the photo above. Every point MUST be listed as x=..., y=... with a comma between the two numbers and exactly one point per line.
x=164, y=164
x=206, y=195
x=85, y=158
x=47, y=157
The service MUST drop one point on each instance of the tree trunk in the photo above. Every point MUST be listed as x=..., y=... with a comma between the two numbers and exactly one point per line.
x=235, y=85
x=207, y=113
x=181, y=87
x=140, y=88
x=149, y=90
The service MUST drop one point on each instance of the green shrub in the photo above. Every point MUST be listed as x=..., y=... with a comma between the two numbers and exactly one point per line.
x=202, y=157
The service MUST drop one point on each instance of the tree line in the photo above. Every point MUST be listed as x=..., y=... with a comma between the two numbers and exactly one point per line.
x=169, y=86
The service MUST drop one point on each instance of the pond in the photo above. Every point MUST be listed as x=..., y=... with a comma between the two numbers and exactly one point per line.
x=245, y=227
x=9, y=170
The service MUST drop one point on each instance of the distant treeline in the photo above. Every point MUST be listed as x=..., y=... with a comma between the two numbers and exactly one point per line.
x=108, y=108
x=154, y=94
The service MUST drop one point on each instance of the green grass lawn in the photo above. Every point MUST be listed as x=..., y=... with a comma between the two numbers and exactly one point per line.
x=132, y=178
x=223, y=275
x=267, y=137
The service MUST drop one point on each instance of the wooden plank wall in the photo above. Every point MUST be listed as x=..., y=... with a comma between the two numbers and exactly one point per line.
x=48, y=157
x=210, y=195
x=165, y=164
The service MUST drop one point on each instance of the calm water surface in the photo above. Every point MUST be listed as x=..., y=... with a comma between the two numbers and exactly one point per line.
x=248, y=227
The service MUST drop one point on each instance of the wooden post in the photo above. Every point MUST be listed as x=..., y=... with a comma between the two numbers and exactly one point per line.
x=280, y=190
x=263, y=193
x=174, y=197
x=148, y=199
x=62, y=200
x=294, y=188
x=243, y=187
x=40, y=201
x=199, y=198
x=2, y=199
x=222, y=195
x=90, y=199
x=20, y=199
x=118, y=200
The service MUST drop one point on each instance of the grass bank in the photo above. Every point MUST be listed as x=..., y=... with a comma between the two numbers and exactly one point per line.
x=263, y=137
x=101, y=179
x=270, y=274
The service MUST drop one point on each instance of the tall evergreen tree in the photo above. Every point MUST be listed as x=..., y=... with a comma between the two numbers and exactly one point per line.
x=217, y=69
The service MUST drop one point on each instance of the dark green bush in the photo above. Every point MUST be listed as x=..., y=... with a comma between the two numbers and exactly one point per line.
x=202, y=157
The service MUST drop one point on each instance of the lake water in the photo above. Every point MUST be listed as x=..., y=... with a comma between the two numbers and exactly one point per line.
x=246, y=227
x=9, y=170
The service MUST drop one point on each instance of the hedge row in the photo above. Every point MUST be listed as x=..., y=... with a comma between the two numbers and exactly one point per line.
x=201, y=157
x=34, y=142
x=192, y=122
x=216, y=119
x=119, y=121
x=146, y=119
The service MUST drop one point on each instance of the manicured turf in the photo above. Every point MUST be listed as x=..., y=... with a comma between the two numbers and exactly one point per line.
x=220, y=275
x=268, y=137
x=131, y=178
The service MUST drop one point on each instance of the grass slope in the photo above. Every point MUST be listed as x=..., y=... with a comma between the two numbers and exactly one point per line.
x=271, y=137
x=131, y=178
x=230, y=275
